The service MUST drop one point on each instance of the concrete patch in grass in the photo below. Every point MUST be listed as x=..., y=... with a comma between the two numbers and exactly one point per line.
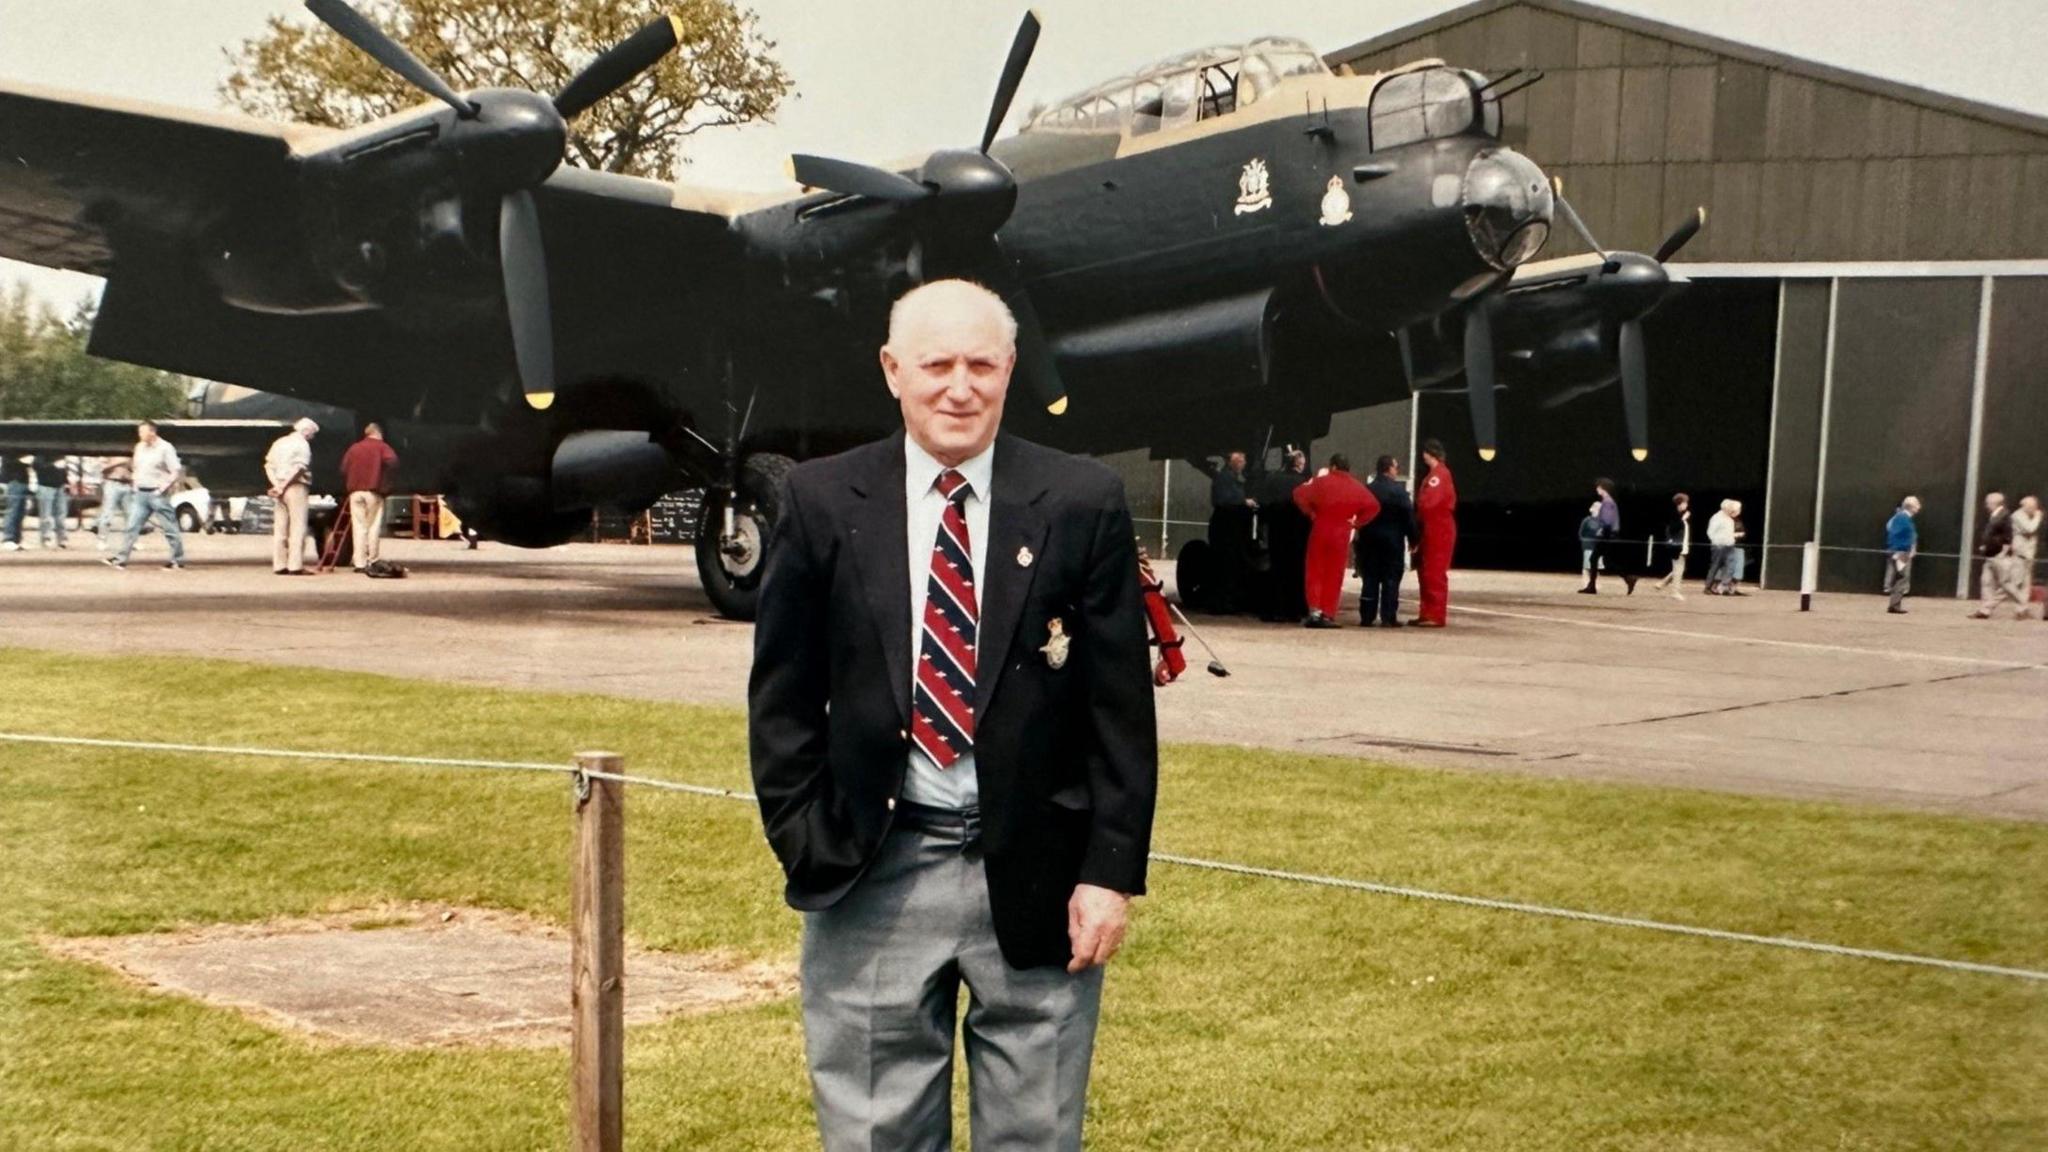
x=415, y=976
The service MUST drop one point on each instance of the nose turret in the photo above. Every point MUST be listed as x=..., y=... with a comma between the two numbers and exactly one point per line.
x=1507, y=207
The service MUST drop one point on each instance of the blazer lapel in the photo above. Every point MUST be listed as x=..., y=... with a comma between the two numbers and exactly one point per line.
x=1014, y=525
x=880, y=548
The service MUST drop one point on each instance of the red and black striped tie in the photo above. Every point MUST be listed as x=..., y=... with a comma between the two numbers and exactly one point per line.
x=942, y=714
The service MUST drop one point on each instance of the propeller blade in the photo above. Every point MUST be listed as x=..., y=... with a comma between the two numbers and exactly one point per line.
x=1037, y=368
x=1571, y=216
x=1407, y=344
x=849, y=178
x=1013, y=75
x=1635, y=389
x=1479, y=376
x=1682, y=235
x=618, y=66
x=354, y=28
x=526, y=296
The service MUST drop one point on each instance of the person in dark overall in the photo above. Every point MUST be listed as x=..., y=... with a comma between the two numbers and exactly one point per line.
x=1286, y=539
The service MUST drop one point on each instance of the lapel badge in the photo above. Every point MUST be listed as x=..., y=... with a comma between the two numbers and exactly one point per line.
x=1024, y=557
x=1056, y=644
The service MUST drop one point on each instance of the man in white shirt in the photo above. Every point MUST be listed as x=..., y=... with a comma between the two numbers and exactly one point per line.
x=156, y=469
x=289, y=466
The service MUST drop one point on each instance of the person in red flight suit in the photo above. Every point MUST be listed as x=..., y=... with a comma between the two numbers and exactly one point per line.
x=1335, y=503
x=1436, y=506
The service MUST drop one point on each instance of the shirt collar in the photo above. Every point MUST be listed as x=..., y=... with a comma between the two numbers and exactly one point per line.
x=921, y=471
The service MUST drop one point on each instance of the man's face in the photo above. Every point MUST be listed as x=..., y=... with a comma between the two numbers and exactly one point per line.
x=1237, y=461
x=949, y=368
x=146, y=433
x=1994, y=502
x=307, y=433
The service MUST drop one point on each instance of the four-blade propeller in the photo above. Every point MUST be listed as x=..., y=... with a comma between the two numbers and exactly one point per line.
x=520, y=250
x=959, y=200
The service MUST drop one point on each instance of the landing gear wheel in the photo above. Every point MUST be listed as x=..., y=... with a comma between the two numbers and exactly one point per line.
x=1191, y=574
x=188, y=518
x=730, y=565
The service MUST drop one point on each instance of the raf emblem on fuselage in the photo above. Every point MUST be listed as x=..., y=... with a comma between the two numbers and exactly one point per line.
x=1336, y=203
x=1252, y=192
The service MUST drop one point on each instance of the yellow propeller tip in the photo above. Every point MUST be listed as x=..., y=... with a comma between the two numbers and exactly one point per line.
x=1487, y=454
x=540, y=401
x=1641, y=454
x=675, y=24
x=1058, y=407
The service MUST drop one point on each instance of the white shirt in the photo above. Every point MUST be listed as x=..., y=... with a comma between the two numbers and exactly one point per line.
x=289, y=454
x=155, y=465
x=1721, y=530
x=926, y=782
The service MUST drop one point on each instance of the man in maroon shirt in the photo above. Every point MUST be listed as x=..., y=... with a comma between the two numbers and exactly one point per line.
x=366, y=470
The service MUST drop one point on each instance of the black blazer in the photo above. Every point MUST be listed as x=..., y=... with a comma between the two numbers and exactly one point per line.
x=1067, y=758
x=1394, y=526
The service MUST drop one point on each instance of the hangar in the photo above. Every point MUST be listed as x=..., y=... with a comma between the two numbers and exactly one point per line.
x=1868, y=313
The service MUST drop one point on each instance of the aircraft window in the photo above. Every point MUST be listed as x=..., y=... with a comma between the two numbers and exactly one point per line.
x=1299, y=64
x=1145, y=107
x=1415, y=106
x=1254, y=79
x=1177, y=104
x=1219, y=90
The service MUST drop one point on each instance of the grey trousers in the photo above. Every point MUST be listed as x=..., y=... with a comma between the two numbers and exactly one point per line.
x=882, y=971
x=1898, y=577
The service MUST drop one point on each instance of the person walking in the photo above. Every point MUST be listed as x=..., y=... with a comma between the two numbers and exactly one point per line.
x=289, y=467
x=156, y=469
x=2026, y=547
x=1676, y=546
x=2000, y=579
x=1335, y=504
x=1436, y=526
x=1608, y=553
x=53, y=501
x=116, y=494
x=1286, y=538
x=951, y=731
x=1383, y=546
x=366, y=471
x=15, y=473
x=1721, y=536
x=1901, y=543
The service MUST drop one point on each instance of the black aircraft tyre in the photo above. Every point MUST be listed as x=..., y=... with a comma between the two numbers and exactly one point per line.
x=1191, y=573
x=732, y=576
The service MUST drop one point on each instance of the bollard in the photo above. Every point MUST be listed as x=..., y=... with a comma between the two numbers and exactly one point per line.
x=1809, y=574
x=597, y=956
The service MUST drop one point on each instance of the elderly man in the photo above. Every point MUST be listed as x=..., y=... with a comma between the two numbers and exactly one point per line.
x=1901, y=543
x=289, y=467
x=366, y=471
x=2000, y=580
x=951, y=728
x=155, y=470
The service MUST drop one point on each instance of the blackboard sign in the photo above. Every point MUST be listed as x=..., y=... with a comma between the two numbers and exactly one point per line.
x=674, y=517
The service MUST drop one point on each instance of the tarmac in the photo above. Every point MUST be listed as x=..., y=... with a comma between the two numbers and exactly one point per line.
x=1928, y=711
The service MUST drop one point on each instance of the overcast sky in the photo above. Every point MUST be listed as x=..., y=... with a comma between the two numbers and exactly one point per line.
x=881, y=79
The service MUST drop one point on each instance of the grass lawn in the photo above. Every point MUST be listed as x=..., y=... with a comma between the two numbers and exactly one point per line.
x=1245, y=1013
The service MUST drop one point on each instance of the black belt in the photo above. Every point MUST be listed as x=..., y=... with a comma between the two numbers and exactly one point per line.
x=962, y=824
x=151, y=491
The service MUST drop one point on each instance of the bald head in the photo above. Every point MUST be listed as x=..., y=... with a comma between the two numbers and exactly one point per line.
x=949, y=302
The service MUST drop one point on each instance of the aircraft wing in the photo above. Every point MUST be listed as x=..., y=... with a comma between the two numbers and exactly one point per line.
x=194, y=439
x=85, y=177
x=165, y=202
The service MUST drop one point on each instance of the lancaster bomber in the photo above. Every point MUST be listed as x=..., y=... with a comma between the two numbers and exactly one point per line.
x=1223, y=247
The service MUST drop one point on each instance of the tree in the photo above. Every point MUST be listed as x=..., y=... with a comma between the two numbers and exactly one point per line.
x=720, y=74
x=46, y=374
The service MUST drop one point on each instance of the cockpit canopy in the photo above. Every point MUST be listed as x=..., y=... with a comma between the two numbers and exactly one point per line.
x=1431, y=102
x=1183, y=89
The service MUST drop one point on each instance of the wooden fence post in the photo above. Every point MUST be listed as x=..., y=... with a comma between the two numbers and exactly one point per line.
x=597, y=935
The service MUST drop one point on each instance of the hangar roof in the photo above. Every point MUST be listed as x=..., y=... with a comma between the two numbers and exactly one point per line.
x=1704, y=42
x=1797, y=162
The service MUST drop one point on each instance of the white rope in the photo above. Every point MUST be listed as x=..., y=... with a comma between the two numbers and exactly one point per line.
x=1160, y=857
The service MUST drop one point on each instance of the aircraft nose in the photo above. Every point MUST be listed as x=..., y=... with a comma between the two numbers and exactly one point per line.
x=1507, y=206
